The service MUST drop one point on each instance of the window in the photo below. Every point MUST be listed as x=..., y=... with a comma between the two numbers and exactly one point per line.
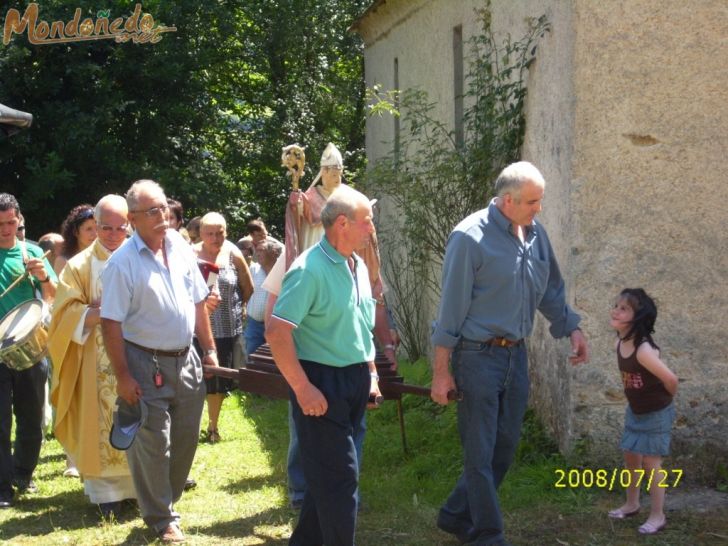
x=457, y=53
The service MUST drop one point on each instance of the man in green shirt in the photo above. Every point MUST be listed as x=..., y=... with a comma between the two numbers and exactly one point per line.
x=21, y=392
x=320, y=334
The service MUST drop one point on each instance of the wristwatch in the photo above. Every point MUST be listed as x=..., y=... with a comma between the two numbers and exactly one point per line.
x=209, y=352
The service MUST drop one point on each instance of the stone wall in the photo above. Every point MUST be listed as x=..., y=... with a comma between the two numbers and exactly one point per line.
x=626, y=117
x=651, y=113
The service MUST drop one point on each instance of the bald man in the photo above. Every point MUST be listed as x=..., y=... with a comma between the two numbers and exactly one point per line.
x=83, y=388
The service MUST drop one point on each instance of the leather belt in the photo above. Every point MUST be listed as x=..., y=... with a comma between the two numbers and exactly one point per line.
x=160, y=352
x=502, y=342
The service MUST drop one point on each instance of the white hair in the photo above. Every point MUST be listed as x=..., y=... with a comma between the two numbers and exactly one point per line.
x=132, y=196
x=512, y=179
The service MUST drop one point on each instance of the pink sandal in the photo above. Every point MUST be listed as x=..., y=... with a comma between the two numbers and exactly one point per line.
x=618, y=513
x=650, y=529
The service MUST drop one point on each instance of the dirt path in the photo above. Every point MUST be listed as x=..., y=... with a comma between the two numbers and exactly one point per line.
x=695, y=499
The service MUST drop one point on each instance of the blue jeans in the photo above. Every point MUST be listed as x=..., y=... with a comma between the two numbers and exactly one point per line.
x=296, y=479
x=494, y=383
x=254, y=334
x=21, y=393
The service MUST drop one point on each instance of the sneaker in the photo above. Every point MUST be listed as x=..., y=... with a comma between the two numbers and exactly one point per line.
x=25, y=485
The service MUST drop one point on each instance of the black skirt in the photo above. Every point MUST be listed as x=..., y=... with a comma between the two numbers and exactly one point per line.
x=220, y=385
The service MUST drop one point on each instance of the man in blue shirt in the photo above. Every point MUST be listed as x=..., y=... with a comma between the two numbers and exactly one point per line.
x=153, y=300
x=321, y=339
x=499, y=268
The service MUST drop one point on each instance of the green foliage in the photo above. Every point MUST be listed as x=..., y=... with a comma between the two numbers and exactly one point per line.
x=722, y=480
x=205, y=111
x=434, y=181
x=536, y=445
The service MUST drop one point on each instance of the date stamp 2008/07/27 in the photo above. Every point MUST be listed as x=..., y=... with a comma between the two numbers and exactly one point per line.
x=603, y=478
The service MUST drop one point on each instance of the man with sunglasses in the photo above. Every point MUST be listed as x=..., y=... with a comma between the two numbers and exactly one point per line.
x=153, y=302
x=83, y=388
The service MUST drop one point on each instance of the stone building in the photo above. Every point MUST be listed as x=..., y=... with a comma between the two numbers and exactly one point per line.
x=626, y=114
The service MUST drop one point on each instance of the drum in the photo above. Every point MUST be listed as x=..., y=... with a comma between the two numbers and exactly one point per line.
x=24, y=337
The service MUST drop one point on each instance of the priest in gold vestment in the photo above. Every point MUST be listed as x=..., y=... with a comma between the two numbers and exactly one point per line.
x=83, y=386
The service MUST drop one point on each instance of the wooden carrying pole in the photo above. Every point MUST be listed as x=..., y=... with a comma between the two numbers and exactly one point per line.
x=263, y=377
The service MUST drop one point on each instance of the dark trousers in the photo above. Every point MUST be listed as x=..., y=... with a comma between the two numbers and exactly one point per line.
x=328, y=453
x=23, y=394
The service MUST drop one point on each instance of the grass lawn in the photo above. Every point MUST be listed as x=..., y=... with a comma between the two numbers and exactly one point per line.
x=241, y=493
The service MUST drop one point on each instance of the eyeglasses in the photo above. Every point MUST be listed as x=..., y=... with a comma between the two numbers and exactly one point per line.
x=110, y=229
x=151, y=213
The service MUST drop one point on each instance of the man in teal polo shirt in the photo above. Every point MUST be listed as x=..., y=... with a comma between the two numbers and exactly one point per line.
x=320, y=334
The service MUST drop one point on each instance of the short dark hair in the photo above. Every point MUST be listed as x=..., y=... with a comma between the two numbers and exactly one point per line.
x=256, y=226
x=47, y=244
x=8, y=202
x=175, y=207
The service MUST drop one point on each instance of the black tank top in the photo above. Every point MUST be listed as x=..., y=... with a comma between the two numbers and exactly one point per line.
x=644, y=391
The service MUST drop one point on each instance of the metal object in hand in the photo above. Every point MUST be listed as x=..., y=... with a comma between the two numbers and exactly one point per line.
x=24, y=336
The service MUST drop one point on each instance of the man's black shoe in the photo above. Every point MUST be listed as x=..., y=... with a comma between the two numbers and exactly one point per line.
x=110, y=509
x=25, y=485
x=6, y=502
x=462, y=535
x=190, y=484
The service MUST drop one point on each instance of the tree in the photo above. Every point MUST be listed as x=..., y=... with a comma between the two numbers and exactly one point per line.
x=205, y=111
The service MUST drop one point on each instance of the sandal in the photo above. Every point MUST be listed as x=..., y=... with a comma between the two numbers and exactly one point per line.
x=213, y=436
x=618, y=513
x=648, y=528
